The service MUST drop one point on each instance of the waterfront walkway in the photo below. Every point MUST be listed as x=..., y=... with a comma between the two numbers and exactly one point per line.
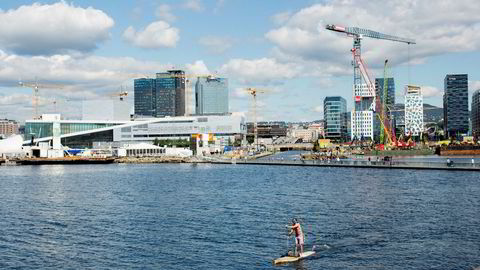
x=357, y=164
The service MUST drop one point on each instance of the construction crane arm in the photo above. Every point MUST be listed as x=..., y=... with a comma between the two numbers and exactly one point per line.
x=361, y=32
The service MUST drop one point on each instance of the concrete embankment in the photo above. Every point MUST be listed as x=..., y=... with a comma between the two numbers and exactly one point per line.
x=361, y=164
x=66, y=160
x=158, y=160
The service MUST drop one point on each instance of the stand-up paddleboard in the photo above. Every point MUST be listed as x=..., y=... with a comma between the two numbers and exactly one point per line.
x=288, y=259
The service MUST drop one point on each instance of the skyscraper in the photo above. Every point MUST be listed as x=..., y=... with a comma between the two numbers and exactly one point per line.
x=389, y=101
x=162, y=96
x=211, y=95
x=170, y=93
x=144, y=92
x=455, y=104
x=476, y=114
x=335, y=116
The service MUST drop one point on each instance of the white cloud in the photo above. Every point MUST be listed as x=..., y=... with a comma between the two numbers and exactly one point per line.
x=318, y=109
x=452, y=26
x=431, y=91
x=39, y=29
x=216, y=45
x=164, y=12
x=89, y=77
x=262, y=71
x=281, y=18
x=473, y=86
x=198, y=68
x=14, y=99
x=156, y=35
x=195, y=5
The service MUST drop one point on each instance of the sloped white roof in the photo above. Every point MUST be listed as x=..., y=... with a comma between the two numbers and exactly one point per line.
x=142, y=146
x=11, y=144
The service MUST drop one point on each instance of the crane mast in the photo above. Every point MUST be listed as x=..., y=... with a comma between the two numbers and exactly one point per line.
x=367, y=102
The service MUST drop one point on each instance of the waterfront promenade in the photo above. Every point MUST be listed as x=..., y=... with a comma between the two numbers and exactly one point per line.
x=401, y=164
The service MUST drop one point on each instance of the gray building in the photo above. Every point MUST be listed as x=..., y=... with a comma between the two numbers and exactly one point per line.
x=455, y=104
x=335, y=117
x=170, y=97
x=211, y=95
x=476, y=114
x=162, y=96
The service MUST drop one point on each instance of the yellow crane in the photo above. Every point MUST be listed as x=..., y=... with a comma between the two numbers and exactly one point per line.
x=253, y=91
x=35, y=87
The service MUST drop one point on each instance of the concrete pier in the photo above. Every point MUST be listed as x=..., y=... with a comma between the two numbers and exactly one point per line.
x=359, y=164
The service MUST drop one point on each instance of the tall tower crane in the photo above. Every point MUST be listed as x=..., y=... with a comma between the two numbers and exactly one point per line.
x=35, y=87
x=253, y=92
x=366, y=100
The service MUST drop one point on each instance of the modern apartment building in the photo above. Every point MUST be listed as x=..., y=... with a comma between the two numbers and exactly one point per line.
x=335, y=117
x=455, y=104
x=211, y=95
x=413, y=110
x=8, y=127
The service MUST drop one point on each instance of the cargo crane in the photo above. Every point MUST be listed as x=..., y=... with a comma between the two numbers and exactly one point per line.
x=365, y=91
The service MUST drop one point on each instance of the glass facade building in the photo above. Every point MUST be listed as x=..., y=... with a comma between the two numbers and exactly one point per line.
x=162, y=96
x=335, y=116
x=86, y=134
x=455, y=104
x=144, y=97
x=390, y=101
x=211, y=95
x=476, y=114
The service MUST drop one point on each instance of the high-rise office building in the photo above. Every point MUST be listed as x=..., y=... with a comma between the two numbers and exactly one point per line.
x=211, y=95
x=389, y=101
x=476, y=114
x=455, y=104
x=144, y=97
x=335, y=117
x=162, y=96
x=170, y=98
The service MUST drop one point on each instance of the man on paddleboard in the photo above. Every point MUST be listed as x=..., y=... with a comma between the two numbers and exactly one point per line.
x=298, y=236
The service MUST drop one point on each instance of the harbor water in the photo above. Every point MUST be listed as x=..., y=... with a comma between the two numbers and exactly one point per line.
x=205, y=216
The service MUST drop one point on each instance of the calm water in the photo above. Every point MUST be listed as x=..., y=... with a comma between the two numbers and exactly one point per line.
x=183, y=216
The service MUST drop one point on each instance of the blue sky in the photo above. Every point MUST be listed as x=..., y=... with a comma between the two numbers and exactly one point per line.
x=93, y=48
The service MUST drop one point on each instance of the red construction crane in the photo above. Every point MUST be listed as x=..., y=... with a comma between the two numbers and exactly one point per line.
x=364, y=91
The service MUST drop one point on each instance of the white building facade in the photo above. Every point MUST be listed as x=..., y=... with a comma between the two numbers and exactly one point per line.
x=413, y=110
